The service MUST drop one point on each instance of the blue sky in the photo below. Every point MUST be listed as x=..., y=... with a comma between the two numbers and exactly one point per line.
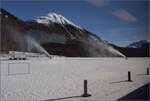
x=118, y=22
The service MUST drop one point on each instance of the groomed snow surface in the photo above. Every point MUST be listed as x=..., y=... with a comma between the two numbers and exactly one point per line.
x=56, y=78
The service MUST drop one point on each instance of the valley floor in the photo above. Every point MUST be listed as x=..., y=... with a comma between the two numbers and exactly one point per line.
x=62, y=78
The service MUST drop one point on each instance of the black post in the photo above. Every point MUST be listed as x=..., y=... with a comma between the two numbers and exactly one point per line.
x=147, y=71
x=85, y=94
x=129, y=76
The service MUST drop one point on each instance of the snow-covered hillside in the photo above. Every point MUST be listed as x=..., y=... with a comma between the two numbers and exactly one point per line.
x=45, y=79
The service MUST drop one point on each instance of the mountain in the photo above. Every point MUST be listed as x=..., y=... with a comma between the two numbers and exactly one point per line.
x=51, y=18
x=135, y=49
x=139, y=44
x=54, y=34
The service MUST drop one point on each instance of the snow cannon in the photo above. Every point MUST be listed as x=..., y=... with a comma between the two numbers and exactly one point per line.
x=49, y=56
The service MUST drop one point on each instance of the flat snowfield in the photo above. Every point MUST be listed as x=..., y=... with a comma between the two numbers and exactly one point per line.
x=62, y=78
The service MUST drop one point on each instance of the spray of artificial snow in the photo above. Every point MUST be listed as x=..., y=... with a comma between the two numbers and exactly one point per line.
x=95, y=47
x=25, y=42
x=34, y=45
x=101, y=48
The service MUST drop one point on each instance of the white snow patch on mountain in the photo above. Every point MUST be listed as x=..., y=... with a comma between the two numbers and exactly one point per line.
x=51, y=18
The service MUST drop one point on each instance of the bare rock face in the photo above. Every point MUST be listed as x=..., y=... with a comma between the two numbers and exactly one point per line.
x=55, y=34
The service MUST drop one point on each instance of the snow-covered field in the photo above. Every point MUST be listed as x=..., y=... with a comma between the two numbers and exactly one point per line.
x=45, y=79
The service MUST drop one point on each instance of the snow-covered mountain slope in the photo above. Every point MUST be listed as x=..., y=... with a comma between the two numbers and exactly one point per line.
x=139, y=44
x=51, y=18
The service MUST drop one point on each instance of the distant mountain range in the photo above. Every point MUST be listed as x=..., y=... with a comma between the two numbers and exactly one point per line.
x=135, y=49
x=139, y=44
x=52, y=33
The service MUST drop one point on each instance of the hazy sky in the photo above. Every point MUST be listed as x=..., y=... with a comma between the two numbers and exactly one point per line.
x=118, y=22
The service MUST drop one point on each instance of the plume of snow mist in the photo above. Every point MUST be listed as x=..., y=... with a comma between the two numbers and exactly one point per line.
x=34, y=45
x=24, y=42
x=93, y=41
x=98, y=48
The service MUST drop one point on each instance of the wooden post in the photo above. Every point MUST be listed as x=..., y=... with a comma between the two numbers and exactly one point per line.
x=85, y=94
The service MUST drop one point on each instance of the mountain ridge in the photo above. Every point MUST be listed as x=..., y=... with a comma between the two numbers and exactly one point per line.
x=139, y=44
x=77, y=42
x=142, y=51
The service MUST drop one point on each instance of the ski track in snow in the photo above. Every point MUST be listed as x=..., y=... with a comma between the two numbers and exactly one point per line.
x=63, y=77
